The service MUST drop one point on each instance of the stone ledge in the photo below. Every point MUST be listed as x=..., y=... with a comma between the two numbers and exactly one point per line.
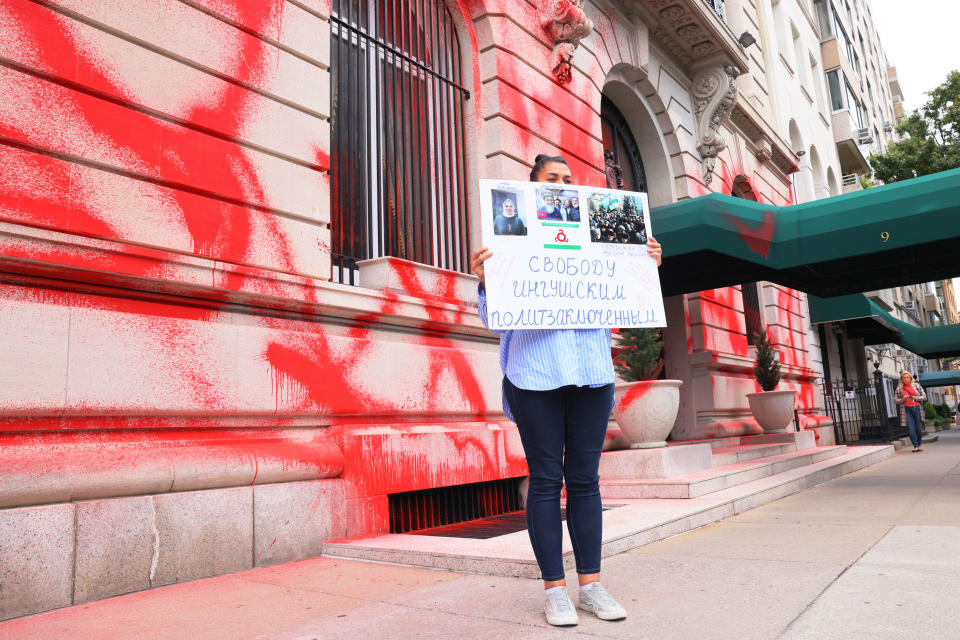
x=60, y=467
x=403, y=277
x=79, y=262
x=57, y=555
x=664, y=462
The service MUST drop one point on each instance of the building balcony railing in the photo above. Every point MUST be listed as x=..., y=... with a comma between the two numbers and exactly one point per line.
x=718, y=8
x=851, y=183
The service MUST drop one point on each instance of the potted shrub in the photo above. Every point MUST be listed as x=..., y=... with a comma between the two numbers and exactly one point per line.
x=773, y=410
x=645, y=407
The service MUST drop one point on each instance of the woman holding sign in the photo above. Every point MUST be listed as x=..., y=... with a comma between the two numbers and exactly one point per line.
x=558, y=388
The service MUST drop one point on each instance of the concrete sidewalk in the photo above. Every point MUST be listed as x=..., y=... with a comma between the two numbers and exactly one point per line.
x=874, y=554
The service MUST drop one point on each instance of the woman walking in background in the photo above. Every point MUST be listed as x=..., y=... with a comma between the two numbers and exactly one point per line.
x=558, y=389
x=910, y=397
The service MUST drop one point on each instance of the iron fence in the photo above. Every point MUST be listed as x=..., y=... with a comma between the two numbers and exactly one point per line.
x=859, y=412
x=397, y=167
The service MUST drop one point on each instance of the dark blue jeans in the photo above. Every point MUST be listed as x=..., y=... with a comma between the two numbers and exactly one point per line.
x=915, y=424
x=562, y=431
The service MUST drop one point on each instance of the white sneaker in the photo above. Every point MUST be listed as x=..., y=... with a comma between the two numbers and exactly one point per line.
x=559, y=607
x=594, y=598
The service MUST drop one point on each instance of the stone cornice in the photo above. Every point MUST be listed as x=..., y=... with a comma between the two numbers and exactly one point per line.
x=689, y=31
x=764, y=138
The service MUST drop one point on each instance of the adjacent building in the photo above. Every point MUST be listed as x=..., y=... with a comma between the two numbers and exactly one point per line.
x=862, y=86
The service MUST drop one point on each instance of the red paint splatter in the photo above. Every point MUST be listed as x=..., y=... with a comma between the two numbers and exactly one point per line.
x=757, y=239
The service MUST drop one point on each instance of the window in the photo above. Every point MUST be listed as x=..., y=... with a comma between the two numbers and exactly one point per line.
x=397, y=163
x=799, y=57
x=751, y=310
x=843, y=42
x=836, y=95
x=780, y=24
x=817, y=84
x=853, y=105
x=825, y=19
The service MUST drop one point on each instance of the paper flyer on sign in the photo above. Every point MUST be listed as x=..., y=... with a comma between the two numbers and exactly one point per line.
x=568, y=257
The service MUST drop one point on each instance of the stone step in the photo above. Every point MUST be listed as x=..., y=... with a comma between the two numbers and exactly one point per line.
x=701, y=483
x=744, y=452
x=633, y=523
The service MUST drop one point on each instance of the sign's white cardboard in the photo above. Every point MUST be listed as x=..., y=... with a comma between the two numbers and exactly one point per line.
x=568, y=257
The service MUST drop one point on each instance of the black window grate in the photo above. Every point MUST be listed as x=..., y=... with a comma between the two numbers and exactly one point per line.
x=751, y=310
x=417, y=510
x=398, y=171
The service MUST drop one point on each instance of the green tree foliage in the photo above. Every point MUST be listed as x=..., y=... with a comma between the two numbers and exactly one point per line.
x=767, y=370
x=641, y=354
x=931, y=137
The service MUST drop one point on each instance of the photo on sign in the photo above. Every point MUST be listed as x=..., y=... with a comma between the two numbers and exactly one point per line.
x=509, y=217
x=558, y=204
x=616, y=218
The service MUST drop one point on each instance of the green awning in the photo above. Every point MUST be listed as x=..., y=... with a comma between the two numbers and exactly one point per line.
x=887, y=236
x=939, y=378
x=867, y=320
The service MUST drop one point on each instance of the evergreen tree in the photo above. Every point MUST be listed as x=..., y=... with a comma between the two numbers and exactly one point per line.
x=641, y=354
x=767, y=370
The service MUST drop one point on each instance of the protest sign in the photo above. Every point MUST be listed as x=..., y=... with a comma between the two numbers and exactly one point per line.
x=568, y=257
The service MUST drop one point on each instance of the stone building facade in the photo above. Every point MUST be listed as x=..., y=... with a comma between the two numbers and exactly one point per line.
x=188, y=362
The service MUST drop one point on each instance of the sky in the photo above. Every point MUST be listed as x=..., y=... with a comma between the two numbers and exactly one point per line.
x=921, y=42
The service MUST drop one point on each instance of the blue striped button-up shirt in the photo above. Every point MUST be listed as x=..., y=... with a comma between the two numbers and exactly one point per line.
x=543, y=359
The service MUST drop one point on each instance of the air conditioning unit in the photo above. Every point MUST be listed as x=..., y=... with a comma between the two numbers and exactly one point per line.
x=888, y=126
x=910, y=305
x=901, y=353
x=864, y=137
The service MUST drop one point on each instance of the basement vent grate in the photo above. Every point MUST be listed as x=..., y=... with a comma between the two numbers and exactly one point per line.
x=429, y=508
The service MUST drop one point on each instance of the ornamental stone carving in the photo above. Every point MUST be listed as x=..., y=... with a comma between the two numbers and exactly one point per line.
x=714, y=95
x=690, y=32
x=675, y=16
x=566, y=24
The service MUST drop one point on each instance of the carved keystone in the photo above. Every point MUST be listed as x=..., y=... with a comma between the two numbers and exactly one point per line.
x=714, y=95
x=566, y=24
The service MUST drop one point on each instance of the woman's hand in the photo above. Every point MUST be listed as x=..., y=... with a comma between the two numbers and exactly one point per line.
x=477, y=260
x=655, y=249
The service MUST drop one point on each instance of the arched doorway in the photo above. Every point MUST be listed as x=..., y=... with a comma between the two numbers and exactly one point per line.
x=624, y=166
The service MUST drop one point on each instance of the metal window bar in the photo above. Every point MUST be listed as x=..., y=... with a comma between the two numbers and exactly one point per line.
x=751, y=310
x=428, y=508
x=398, y=171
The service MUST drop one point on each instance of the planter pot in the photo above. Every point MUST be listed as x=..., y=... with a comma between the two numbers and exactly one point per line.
x=646, y=411
x=773, y=410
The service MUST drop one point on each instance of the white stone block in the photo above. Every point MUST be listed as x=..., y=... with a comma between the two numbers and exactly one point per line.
x=666, y=462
